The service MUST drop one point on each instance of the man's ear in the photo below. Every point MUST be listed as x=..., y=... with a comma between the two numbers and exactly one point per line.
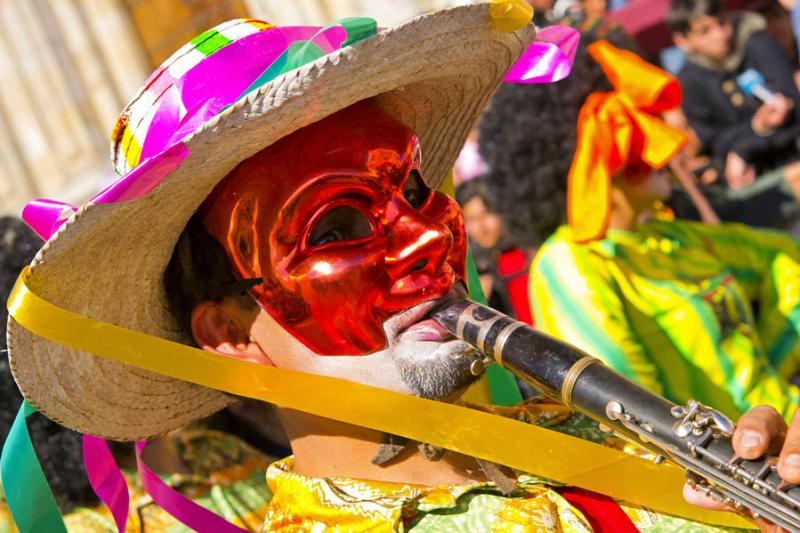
x=220, y=327
x=682, y=42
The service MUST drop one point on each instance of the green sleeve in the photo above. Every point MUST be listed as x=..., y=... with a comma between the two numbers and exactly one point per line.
x=766, y=263
x=575, y=299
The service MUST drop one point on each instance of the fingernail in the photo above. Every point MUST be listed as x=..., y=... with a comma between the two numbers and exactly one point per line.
x=750, y=440
x=791, y=467
x=792, y=461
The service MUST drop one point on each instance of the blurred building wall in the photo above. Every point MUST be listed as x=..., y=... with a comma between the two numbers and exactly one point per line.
x=386, y=12
x=68, y=67
x=163, y=26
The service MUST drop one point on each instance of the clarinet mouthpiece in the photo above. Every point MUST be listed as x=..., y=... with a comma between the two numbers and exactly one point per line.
x=447, y=313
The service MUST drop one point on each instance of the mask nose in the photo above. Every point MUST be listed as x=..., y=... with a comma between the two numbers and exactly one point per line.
x=416, y=244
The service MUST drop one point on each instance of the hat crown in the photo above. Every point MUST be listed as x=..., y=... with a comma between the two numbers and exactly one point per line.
x=213, y=71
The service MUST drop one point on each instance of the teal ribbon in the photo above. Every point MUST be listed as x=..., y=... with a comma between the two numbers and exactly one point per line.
x=503, y=388
x=29, y=497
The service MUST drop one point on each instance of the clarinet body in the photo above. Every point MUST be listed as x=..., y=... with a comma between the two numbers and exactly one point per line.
x=693, y=436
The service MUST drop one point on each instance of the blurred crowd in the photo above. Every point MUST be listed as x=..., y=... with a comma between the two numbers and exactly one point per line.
x=646, y=208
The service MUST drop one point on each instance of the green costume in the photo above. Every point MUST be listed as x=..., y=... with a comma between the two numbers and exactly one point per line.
x=685, y=309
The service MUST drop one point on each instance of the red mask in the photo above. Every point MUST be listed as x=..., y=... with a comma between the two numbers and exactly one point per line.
x=338, y=221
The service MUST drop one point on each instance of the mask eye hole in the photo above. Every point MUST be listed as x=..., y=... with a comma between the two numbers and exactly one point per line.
x=416, y=192
x=340, y=224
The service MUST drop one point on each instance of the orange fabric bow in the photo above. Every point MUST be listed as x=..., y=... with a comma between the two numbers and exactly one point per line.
x=616, y=131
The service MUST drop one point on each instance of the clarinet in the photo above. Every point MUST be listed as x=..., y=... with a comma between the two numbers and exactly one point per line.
x=693, y=436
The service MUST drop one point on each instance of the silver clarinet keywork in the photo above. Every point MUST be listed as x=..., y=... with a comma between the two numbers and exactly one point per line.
x=693, y=436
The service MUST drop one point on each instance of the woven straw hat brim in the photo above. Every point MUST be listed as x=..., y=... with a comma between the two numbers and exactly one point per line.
x=434, y=74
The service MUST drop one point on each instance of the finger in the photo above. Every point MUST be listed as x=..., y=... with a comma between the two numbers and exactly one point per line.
x=695, y=497
x=760, y=429
x=732, y=172
x=749, y=176
x=737, y=180
x=709, y=176
x=789, y=463
x=778, y=101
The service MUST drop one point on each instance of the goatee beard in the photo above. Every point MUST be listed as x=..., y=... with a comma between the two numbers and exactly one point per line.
x=439, y=377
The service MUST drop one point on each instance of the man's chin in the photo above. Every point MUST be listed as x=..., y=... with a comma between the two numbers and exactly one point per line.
x=436, y=370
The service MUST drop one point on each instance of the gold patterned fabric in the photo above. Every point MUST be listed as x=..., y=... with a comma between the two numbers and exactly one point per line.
x=301, y=503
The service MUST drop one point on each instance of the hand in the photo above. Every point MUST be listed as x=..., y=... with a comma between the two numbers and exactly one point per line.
x=772, y=114
x=761, y=430
x=709, y=176
x=738, y=173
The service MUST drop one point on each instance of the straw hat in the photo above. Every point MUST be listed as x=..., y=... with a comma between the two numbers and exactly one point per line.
x=434, y=74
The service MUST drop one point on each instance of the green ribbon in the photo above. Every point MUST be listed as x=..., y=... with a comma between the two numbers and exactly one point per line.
x=29, y=497
x=503, y=388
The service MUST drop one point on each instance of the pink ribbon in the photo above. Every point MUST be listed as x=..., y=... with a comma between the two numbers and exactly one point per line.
x=220, y=79
x=109, y=484
x=548, y=59
x=145, y=177
x=185, y=510
x=106, y=479
x=46, y=216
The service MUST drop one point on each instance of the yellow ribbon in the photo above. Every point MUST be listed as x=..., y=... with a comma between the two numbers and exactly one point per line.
x=510, y=15
x=494, y=438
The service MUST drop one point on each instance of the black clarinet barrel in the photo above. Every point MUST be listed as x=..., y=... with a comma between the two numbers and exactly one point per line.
x=557, y=369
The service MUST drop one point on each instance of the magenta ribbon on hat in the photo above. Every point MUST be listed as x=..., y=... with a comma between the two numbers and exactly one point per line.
x=207, y=89
x=182, y=508
x=106, y=478
x=109, y=485
x=548, y=59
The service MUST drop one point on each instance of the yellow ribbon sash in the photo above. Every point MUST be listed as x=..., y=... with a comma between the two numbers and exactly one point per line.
x=521, y=446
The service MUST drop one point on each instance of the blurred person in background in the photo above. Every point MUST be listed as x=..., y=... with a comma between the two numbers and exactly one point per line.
x=778, y=15
x=502, y=267
x=771, y=201
x=542, y=12
x=589, y=17
x=665, y=302
x=743, y=135
x=793, y=7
